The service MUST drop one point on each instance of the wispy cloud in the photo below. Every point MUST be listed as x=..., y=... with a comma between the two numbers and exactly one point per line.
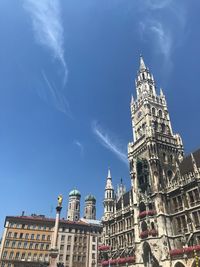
x=54, y=96
x=160, y=36
x=107, y=141
x=79, y=145
x=48, y=29
x=159, y=31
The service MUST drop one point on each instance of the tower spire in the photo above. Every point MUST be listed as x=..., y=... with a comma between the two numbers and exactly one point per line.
x=142, y=64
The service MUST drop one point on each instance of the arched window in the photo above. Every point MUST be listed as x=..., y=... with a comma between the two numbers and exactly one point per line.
x=169, y=174
x=144, y=226
x=152, y=226
x=163, y=127
x=153, y=111
x=160, y=113
x=142, y=207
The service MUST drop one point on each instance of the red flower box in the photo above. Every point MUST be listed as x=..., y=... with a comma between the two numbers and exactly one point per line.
x=104, y=248
x=153, y=232
x=144, y=234
x=118, y=261
x=143, y=214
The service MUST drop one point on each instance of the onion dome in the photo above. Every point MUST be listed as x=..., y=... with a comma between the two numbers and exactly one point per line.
x=90, y=198
x=74, y=193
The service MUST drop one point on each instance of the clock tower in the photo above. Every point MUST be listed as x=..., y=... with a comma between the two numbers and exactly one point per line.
x=154, y=156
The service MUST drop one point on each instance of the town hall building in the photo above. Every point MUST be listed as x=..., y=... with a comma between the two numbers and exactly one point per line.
x=157, y=221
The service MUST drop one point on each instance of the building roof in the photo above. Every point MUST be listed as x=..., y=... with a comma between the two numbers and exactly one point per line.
x=186, y=166
x=74, y=192
x=92, y=222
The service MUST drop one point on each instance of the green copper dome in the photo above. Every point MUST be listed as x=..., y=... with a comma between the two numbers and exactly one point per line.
x=74, y=193
x=90, y=198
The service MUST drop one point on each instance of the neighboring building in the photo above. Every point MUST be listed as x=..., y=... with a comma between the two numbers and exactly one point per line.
x=157, y=222
x=27, y=240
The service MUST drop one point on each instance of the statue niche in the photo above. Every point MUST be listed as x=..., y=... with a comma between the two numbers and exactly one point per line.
x=143, y=175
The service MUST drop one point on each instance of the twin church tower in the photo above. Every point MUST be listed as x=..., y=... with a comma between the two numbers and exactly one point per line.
x=73, y=212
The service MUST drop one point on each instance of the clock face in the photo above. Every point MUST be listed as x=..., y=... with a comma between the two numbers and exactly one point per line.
x=139, y=114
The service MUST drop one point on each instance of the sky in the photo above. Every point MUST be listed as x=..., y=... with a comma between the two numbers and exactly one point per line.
x=67, y=71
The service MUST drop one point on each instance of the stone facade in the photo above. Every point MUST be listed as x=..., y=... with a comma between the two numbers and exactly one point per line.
x=156, y=222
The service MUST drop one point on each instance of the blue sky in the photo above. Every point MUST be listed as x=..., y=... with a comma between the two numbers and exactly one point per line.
x=67, y=71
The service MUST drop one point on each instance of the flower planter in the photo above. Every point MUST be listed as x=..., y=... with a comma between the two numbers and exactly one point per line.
x=104, y=248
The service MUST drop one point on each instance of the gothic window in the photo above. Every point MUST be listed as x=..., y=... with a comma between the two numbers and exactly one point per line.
x=143, y=76
x=164, y=157
x=163, y=127
x=152, y=226
x=196, y=193
x=144, y=226
x=153, y=111
x=169, y=174
x=191, y=197
x=142, y=207
x=160, y=113
x=196, y=218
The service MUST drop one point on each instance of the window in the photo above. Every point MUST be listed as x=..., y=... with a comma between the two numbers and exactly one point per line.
x=21, y=235
x=7, y=243
x=19, y=244
x=79, y=258
x=46, y=257
x=11, y=255
x=26, y=236
x=25, y=244
x=17, y=256
x=69, y=238
x=13, y=244
x=93, y=255
x=93, y=239
x=93, y=247
x=5, y=254
x=29, y=256
x=48, y=238
x=9, y=234
x=42, y=246
x=47, y=247
x=40, y=257
x=68, y=247
x=15, y=235
x=31, y=245
x=62, y=237
x=36, y=246
x=43, y=237
x=61, y=247
x=191, y=197
x=35, y=257
x=61, y=257
x=37, y=237
x=67, y=257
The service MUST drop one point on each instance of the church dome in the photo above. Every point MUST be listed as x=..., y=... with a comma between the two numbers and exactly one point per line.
x=90, y=198
x=74, y=193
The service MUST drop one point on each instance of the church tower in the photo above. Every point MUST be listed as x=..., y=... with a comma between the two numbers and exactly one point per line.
x=109, y=197
x=90, y=207
x=154, y=156
x=73, y=213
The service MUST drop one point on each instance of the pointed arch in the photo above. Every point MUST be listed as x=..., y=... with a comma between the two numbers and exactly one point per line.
x=179, y=264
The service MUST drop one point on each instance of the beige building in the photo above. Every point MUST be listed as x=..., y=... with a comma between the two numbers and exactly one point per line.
x=27, y=240
x=157, y=222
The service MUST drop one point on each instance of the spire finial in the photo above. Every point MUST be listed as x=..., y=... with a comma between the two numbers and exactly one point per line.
x=132, y=99
x=142, y=64
x=109, y=174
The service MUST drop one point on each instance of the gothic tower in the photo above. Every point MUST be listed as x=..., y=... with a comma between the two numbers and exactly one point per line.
x=90, y=207
x=154, y=156
x=109, y=197
x=73, y=213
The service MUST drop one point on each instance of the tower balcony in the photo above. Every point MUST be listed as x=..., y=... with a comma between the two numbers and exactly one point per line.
x=148, y=233
x=145, y=213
